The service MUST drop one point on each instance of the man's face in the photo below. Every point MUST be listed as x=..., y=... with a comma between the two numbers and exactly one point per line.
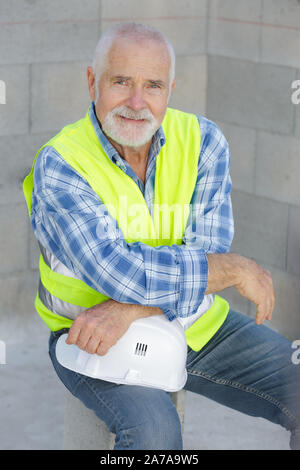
x=133, y=91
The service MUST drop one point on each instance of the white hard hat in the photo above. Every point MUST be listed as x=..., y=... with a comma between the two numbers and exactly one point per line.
x=151, y=353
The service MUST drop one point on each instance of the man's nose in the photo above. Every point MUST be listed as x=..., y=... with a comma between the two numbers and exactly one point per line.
x=136, y=99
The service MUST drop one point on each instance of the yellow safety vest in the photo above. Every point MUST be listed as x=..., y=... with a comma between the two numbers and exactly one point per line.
x=62, y=296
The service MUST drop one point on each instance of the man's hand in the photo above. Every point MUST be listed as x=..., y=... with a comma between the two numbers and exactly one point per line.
x=256, y=284
x=249, y=278
x=98, y=328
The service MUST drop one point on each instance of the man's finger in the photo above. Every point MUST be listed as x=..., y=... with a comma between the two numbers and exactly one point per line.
x=270, y=311
x=103, y=348
x=92, y=345
x=269, y=307
x=272, y=306
x=74, y=331
x=260, y=314
x=85, y=334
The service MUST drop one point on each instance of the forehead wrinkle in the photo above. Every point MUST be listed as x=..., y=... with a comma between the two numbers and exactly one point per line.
x=152, y=81
x=136, y=58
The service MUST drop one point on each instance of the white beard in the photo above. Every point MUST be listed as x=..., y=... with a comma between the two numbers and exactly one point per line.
x=129, y=133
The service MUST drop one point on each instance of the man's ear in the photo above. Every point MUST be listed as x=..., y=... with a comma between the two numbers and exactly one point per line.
x=173, y=85
x=171, y=89
x=91, y=82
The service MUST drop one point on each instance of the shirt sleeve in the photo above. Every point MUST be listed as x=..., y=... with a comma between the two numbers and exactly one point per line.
x=70, y=220
x=210, y=225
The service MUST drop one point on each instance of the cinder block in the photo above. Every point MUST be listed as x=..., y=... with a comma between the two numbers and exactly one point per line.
x=277, y=167
x=15, y=43
x=189, y=94
x=234, y=28
x=280, y=46
x=58, y=41
x=187, y=16
x=286, y=317
x=260, y=228
x=13, y=238
x=45, y=11
x=249, y=94
x=191, y=40
x=18, y=317
x=16, y=158
x=241, y=142
x=293, y=247
x=277, y=12
x=237, y=11
x=18, y=292
x=281, y=32
x=136, y=10
x=59, y=95
x=14, y=115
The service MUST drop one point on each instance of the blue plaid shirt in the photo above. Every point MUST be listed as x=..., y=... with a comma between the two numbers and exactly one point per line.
x=65, y=216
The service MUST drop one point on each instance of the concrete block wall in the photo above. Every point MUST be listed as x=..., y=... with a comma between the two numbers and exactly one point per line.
x=45, y=47
x=253, y=56
x=236, y=61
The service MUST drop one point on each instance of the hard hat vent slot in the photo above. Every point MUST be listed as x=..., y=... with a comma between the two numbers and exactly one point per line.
x=140, y=349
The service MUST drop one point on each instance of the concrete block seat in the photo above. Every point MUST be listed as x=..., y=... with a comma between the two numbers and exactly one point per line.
x=83, y=430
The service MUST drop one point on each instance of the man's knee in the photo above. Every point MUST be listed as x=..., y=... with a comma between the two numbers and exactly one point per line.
x=161, y=430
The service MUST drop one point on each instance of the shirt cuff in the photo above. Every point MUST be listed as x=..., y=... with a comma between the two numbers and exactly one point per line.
x=193, y=279
x=169, y=314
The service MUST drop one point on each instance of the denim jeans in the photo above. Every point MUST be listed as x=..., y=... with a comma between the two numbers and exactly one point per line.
x=245, y=366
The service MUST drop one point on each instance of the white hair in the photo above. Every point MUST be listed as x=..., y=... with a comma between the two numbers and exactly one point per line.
x=130, y=31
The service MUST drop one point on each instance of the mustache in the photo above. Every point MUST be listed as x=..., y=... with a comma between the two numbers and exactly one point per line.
x=126, y=112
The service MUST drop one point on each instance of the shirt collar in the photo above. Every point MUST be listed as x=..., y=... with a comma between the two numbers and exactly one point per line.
x=158, y=140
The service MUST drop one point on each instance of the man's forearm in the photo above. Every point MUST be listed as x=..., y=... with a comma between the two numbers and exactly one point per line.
x=233, y=270
x=230, y=270
x=142, y=311
x=96, y=329
x=223, y=271
x=251, y=280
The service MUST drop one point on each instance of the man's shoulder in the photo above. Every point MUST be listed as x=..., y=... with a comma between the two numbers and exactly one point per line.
x=208, y=127
x=214, y=144
x=211, y=132
x=47, y=159
x=51, y=171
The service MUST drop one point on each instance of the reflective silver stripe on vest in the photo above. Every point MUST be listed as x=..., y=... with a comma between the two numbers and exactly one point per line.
x=54, y=304
x=64, y=309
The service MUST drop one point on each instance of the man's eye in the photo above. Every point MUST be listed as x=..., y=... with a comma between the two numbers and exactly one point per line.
x=121, y=82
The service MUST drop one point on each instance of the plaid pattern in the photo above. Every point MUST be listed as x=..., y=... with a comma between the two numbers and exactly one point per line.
x=66, y=215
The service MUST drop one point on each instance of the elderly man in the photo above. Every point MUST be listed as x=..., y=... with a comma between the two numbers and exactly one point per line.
x=100, y=270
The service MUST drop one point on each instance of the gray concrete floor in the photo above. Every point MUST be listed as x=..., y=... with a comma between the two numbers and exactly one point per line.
x=32, y=407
